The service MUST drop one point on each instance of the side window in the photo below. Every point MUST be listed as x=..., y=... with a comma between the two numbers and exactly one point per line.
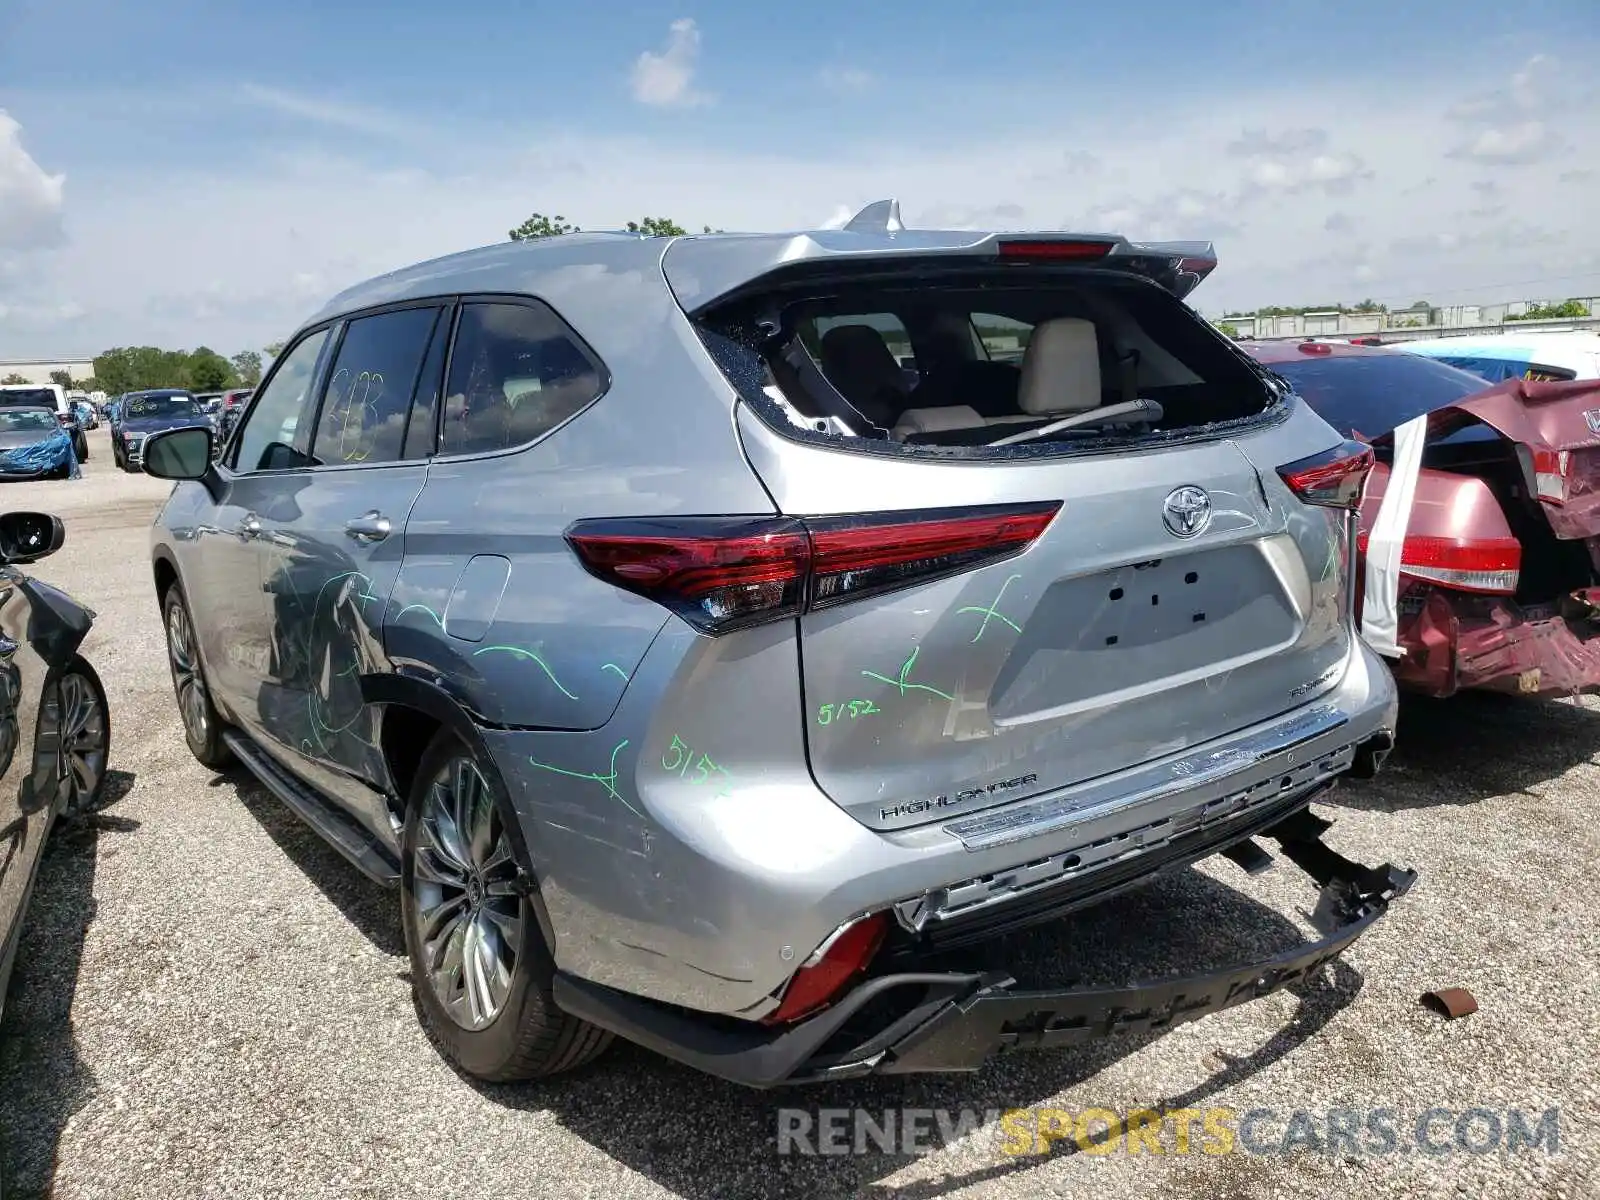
x=273, y=436
x=1003, y=339
x=516, y=372
x=363, y=419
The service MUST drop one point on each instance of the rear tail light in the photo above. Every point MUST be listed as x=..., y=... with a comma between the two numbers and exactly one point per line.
x=1044, y=250
x=1550, y=468
x=1332, y=479
x=725, y=573
x=1487, y=565
x=832, y=967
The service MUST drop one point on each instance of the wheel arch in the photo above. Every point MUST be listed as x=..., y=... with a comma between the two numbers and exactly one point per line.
x=412, y=709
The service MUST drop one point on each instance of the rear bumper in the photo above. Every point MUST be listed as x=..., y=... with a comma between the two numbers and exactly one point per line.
x=709, y=900
x=952, y=1022
x=1457, y=642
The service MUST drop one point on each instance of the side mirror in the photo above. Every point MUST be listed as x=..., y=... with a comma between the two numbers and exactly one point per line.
x=26, y=537
x=178, y=453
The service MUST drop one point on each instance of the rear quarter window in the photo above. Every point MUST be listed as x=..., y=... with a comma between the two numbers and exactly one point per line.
x=517, y=370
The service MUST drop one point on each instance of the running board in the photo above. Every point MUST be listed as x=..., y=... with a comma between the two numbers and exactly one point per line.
x=339, y=831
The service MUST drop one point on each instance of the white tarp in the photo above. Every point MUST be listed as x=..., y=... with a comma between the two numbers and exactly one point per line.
x=1380, y=615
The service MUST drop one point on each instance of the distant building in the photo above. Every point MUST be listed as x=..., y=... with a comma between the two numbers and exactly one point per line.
x=1401, y=323
x=37, y=370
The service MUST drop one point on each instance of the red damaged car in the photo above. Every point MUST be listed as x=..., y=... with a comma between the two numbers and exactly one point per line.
x=1497, y=556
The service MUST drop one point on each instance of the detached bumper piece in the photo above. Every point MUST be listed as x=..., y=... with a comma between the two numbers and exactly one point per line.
x=943, y=1022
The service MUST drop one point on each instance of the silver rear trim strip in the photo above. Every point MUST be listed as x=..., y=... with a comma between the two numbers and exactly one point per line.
x=1188, y=778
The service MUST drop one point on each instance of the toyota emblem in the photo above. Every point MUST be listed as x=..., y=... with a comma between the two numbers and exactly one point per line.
x=1186, y=511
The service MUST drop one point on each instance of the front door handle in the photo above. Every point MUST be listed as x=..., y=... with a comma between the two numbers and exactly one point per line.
x=249, y=527
x=370, y=526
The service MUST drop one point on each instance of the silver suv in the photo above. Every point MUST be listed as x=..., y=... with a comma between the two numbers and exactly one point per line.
x=703, y=632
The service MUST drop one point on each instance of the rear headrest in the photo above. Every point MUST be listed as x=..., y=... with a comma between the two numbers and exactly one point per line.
x=856, y=356
x=1061, y=369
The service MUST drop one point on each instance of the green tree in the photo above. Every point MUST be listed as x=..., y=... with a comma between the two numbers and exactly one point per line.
x=657, y=227
x=541, y=226
x=1553, y=312
x=273, y=349
x=132, y=368
x=208, y=370
x=63, y=378
x=13, y=378
x=247, y=366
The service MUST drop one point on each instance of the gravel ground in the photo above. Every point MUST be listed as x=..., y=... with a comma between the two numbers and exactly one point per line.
x=210, y=1002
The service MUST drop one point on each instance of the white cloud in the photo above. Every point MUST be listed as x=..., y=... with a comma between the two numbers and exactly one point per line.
x=30, y=200
x=665, y=78
x=1524, y=142
x=322, y=111
x=846, y=81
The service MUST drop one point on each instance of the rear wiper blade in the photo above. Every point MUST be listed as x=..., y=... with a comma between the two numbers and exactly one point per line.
x=1129, y=412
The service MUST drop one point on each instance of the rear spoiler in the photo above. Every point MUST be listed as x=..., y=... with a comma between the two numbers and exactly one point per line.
x=706, y=270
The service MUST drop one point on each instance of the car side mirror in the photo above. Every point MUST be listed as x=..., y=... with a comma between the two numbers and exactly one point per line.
x=26, y=537
x=178, y=453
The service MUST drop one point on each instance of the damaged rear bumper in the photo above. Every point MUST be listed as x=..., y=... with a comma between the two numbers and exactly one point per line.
x=1454, y=642
x=914, y=1022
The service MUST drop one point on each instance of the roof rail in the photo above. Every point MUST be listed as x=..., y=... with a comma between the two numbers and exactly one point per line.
x=881, y=216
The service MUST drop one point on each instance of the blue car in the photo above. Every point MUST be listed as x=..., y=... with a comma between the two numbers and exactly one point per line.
x=33, y=445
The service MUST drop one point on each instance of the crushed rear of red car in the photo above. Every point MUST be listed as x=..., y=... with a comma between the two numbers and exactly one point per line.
x=1498, y=579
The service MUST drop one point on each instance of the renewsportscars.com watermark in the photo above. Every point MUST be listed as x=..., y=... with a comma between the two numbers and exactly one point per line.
x=1343, y=1132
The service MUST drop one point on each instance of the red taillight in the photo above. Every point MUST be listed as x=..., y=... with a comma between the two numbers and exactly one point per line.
x=1488, y=565
x=1055, y=251
x=1332, y=479
x=721, y=574
x=830, y=969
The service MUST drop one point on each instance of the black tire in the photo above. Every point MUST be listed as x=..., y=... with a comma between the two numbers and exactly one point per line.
x=82, y=447
x=528, y=1037
x=205, y=742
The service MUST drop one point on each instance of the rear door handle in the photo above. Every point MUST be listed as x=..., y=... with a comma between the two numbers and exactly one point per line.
x=249, y=527
x=370, y=526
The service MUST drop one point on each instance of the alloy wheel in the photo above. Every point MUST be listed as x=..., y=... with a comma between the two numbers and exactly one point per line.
x=81, y=727
x=186, y=678
x=469, y=904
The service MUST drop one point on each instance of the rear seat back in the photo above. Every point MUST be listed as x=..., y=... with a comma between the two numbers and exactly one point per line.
x=1060, y=376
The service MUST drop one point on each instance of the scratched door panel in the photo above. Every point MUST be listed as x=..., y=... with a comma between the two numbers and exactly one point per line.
x=326, y=591
x=1108, y=643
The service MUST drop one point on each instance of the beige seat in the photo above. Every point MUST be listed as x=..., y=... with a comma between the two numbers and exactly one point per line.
x=1060, y=376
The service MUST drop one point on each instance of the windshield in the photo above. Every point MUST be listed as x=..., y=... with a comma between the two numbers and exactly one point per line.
x=161, y=406
x=30, y=396
x=27, y=420
x=1370, y=394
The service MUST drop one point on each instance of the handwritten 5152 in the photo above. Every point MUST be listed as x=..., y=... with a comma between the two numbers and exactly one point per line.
x=849, y=711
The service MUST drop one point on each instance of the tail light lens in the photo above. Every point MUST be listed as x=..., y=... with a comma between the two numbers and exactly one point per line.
x=1332, y=479
x=1550, y=468
x=834, y=965
x=726, y=573
x=1490, y=566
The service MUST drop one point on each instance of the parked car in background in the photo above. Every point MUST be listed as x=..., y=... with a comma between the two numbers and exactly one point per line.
x=691, y=692
x=33, y=445
x=87, y=417
x=1497, y=575
x=233, y=403
x=1542, y=356
x=54, y=397
x=210, y=402
x=139, y=414
x=55, y=726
